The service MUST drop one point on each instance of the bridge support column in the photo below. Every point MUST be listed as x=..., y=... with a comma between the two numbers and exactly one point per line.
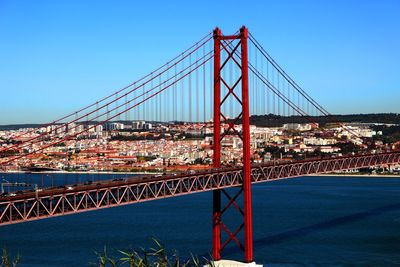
x=247, y=197
x=230, y=46
x=216, y=234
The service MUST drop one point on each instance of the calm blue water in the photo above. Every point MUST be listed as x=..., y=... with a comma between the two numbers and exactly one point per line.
x=54, y=179
x=308, y=221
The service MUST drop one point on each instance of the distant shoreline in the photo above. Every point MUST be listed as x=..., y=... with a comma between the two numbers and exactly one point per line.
x=144, y=172
x=270, y=120
x=357, y=175
x=82, y=172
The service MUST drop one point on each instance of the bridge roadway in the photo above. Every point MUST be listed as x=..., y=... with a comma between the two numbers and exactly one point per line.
x=51, y=202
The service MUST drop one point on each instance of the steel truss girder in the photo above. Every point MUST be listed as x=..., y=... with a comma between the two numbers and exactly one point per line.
x=27, y=209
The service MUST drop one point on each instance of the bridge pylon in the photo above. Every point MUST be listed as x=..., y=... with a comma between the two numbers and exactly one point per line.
x=235, y=47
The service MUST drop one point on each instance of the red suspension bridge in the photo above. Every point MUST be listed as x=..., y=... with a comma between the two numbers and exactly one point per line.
x=225, y=78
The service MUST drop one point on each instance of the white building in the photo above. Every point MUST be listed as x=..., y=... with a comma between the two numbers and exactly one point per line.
x=319, y=141
x=138, y=124
x=300, y=126
x=99, y=128
x=71, y=128
x=147, y=126
x=114, y=126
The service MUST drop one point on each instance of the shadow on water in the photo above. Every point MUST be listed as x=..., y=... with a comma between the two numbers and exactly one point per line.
x=303, y=231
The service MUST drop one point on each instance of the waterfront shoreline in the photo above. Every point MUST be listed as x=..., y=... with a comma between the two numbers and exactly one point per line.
x=145, y=172
x=81, y=172
x=356, y=175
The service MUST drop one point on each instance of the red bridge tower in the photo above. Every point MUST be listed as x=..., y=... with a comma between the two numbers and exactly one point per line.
x=236, y=49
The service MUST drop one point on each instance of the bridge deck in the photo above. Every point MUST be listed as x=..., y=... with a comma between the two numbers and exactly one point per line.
x=28, y=206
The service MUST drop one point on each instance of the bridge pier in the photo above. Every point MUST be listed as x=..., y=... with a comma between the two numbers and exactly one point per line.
x=230, y=263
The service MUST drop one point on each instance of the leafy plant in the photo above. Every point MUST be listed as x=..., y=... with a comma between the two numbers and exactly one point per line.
x=7, y=261
x=156, y=256
x=104, y=260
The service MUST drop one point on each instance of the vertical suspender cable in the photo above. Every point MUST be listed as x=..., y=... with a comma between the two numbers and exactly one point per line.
x=268, y=100
x=197, y=90
x=116, y=105
x=159, y=100
x=126, y=107
x=264, y=101
x=256, y=97
x=153, y=105
x=204, y=87
x=190, y=90
x=174, y=97
x=231, y=98
x=183, y=102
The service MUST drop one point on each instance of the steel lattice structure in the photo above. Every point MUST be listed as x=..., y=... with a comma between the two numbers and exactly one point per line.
x=242, y=97
x=31, y=206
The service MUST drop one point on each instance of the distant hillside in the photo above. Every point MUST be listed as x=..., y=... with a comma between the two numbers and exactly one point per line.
x=277, y=121
x=18, y=126
x=271, y=120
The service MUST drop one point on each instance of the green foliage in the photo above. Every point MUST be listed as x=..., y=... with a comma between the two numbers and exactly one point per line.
x=275, y=151
x=119, y=137
x=389, y=135
x=156, y=256
x=189, y=136
x=146, y=158
x=8, y=153
x=62, y=144
x=7, y=261
x=271, y=120
x=199, y=161
x=348, y=147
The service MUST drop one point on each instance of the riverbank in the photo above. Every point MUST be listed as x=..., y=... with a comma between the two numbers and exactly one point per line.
x=82, y=172
x=357, y=175
x=158, y=172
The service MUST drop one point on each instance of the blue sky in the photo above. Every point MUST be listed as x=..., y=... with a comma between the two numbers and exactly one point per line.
x=57, y=56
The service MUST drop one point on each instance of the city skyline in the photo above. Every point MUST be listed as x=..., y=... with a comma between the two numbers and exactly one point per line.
x=57, y=60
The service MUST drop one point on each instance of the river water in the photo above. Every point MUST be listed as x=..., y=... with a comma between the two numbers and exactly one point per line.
x=305, y=221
